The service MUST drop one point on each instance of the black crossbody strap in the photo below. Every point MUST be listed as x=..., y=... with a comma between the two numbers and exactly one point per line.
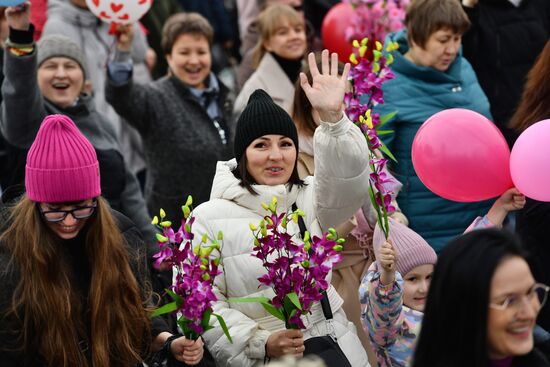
x=325, y=304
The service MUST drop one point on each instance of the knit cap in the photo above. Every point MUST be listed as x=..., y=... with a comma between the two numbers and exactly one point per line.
x=61, y=46
x=260, y=117
x=411, y=249
x=62, y=164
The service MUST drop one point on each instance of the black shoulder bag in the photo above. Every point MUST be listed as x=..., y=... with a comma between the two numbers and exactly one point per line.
x=325, y=347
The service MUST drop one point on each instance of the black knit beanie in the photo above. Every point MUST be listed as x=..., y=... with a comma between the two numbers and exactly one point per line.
x=262, y=117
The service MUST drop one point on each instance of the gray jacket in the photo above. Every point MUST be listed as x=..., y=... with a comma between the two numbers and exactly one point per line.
x=92, y=35
x=180, y=140
x=22, y=111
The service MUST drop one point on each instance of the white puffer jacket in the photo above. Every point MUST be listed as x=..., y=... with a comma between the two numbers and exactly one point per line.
x=334, y=194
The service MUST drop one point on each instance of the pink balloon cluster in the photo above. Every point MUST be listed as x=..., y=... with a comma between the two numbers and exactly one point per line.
x=462, y=156
x=119, y=11
x=530, y=161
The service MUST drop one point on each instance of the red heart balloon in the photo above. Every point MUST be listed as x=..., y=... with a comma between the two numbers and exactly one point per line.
x=116, y=7
x=104, y=15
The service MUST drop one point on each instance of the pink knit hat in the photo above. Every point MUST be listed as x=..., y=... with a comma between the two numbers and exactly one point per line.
x=412, y=250
x=62, y=164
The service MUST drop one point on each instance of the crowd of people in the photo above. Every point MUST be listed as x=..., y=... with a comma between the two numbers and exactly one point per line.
x=235, y=102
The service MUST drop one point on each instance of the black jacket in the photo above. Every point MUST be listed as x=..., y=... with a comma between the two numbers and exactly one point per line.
x=502, y=45
x=532, y=225
x=533, y=359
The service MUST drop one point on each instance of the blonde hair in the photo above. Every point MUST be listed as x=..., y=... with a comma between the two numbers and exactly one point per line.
x=269, y=21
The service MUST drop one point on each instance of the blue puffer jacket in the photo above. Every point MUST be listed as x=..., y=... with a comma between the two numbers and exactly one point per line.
x=416, y=93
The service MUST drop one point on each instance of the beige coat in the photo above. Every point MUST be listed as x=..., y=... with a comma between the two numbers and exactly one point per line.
x=270, y=77
x=346, y=276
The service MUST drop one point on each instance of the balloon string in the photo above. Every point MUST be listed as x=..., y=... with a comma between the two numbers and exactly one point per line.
x=113, y=29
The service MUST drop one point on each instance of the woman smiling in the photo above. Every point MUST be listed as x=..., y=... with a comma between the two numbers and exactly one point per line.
x=482, y=305
x=266, y=149
x=182, y=118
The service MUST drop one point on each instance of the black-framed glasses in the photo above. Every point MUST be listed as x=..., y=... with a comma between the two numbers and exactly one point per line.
x=537, y=295
x=80, y=212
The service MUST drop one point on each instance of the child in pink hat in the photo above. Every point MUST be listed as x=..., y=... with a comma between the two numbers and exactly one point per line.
x=394, y=291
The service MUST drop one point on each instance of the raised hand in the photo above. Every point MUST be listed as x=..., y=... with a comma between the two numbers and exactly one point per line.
x=511, y=200
x=387, y=259
x=124, y=37
x=285, y=342
x=327, y=89
x=19, y=17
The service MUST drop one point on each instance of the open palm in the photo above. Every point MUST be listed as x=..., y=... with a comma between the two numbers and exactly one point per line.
x=326, y=92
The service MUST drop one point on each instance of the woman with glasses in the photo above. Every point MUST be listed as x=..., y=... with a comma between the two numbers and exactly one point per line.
x=482, y=305
x=73, y=271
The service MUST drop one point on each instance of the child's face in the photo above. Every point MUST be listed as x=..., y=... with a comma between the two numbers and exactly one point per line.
x=415, y=288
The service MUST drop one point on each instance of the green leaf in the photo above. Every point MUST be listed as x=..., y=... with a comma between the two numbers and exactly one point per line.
x=224, y=326
x=384, y=132
x=293, y=297
x=387, y=152
x=167, y=308
x=174, y=296
x=274, y=311
x=249, y=299
x=205, y=322
x=387, y=117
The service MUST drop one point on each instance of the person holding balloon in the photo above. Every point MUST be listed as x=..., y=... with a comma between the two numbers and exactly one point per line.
x=184, y=118
x=278, y=56
x=393, y=292
x=430, y=76
x=530, y=166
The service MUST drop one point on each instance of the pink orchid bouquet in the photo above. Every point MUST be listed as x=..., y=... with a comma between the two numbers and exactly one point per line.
x=374, y=19
x=195, y=269
x=296, y=271
x=367, y=76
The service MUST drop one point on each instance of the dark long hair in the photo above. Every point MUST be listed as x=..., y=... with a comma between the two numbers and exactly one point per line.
x=50, y=311
x=454, y=329
x=534, y=105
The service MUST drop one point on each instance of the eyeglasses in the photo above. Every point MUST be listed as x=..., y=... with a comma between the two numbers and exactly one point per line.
x=537, y=295
x=80, y=212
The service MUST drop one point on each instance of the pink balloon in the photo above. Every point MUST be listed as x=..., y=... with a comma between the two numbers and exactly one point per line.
x=462, y=156
x=530, y=161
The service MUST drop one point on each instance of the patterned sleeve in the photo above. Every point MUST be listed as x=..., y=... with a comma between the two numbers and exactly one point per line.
x=480, y=223
x=382, y=308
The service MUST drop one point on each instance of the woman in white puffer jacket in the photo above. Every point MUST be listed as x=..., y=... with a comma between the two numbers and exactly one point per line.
x=266, y=146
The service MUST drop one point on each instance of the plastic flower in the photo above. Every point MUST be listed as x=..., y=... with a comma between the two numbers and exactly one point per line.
x=195, y=269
